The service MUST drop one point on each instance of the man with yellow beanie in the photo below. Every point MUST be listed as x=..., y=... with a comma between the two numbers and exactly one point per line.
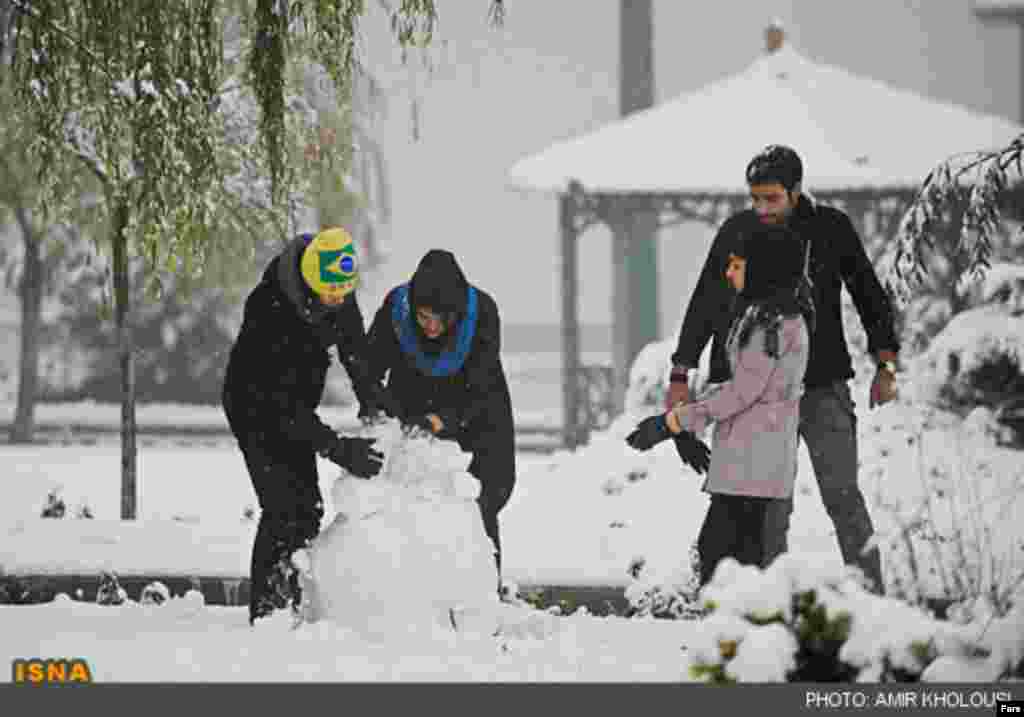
x=304, y=304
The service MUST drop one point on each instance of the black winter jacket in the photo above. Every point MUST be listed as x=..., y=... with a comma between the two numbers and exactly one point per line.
x=277, y=369
x=837, y=258
x=468, y=383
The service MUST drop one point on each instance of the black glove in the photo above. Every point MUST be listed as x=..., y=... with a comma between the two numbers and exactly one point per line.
x=355, y=455
x=694, y=452
x=649, y=433
x=379, y=400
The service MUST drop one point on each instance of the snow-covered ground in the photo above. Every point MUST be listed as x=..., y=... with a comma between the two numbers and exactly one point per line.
x=183, y=641
x=575, y=518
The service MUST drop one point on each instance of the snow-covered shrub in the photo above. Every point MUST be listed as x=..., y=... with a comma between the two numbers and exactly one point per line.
x=998, y=651
x=648, y=376
x=156, y=593
x=14, y=591
x=1003, y=285
x=800, y=622
x=110, y=591
x=652, y=593
x=977, y=360
x=55, y=506
x=953, y=538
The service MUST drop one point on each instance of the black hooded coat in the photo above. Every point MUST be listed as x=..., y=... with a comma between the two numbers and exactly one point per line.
x=273, y=384
x=277, y=369
x=459, y=377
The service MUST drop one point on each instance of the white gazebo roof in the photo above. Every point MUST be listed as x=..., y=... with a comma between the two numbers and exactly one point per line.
x=852, y=133
x=999, y=8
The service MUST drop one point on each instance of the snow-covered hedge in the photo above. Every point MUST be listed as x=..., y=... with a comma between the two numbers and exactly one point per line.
x=977, y=360
x=799, y=622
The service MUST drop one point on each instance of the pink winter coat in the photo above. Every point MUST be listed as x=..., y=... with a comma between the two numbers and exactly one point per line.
x=756, y=415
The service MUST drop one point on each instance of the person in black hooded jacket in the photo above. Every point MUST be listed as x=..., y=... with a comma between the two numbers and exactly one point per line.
x=438, y=338
x=304, y=304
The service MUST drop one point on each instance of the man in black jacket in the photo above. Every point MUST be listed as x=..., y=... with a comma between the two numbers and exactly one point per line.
x=828, y=424
x=439, y=340
x=304, y=304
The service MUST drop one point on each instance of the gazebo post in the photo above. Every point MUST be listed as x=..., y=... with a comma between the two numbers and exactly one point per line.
x=1009, y=12
x=570, y=321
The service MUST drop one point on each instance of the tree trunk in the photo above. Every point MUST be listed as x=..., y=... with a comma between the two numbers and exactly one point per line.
x=126, y=359
x=6, y=39
x=30, y=292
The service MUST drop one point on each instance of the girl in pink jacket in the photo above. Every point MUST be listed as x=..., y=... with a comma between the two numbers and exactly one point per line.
x=756, y=413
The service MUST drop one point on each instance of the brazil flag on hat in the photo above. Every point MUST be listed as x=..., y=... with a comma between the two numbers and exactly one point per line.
x=329, y=265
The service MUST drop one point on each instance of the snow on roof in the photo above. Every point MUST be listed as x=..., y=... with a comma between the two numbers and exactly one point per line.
x=851, y=132
x=999, y=8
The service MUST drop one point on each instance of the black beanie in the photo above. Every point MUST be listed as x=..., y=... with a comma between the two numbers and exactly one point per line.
x=439, y=284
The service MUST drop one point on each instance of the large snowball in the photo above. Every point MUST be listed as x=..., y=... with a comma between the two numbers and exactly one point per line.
x=407, y=546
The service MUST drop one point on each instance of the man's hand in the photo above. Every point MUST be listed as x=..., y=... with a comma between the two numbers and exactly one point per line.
x=883, y=388
x=678, y=389
x=356, y=455
x=649, y=433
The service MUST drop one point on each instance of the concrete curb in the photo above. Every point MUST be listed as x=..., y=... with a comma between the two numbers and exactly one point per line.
x=599, y=600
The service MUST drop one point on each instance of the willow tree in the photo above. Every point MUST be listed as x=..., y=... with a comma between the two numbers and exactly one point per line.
x=141, y=93
x=49, y=251
x=956, y=216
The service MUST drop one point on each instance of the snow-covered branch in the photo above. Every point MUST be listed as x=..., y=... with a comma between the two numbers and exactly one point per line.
x=964, y=188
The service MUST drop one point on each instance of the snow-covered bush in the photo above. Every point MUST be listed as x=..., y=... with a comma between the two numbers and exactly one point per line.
x=110, y=591
x=977, y=360
x=999, y=651
x=648, y=376
x=953, y=535
x=670, y=595
x=156, y=593
x=799, y=622
x=55, y=506
x=14, y=591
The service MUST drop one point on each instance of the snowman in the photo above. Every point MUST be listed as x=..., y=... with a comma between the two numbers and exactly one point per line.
x=406, y=548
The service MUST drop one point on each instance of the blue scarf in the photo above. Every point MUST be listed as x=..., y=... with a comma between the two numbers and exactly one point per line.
x=447, y=362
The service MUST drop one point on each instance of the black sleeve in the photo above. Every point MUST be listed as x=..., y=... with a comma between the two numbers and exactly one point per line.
x=865, y=289
x=265, y=396
x=710, y=298
x=382, y=347
x=484, y=373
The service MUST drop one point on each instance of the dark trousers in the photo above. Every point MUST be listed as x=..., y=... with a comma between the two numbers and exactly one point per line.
x=496, y=471
x=828, y=426
x=291, y=508
x=734, y=527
